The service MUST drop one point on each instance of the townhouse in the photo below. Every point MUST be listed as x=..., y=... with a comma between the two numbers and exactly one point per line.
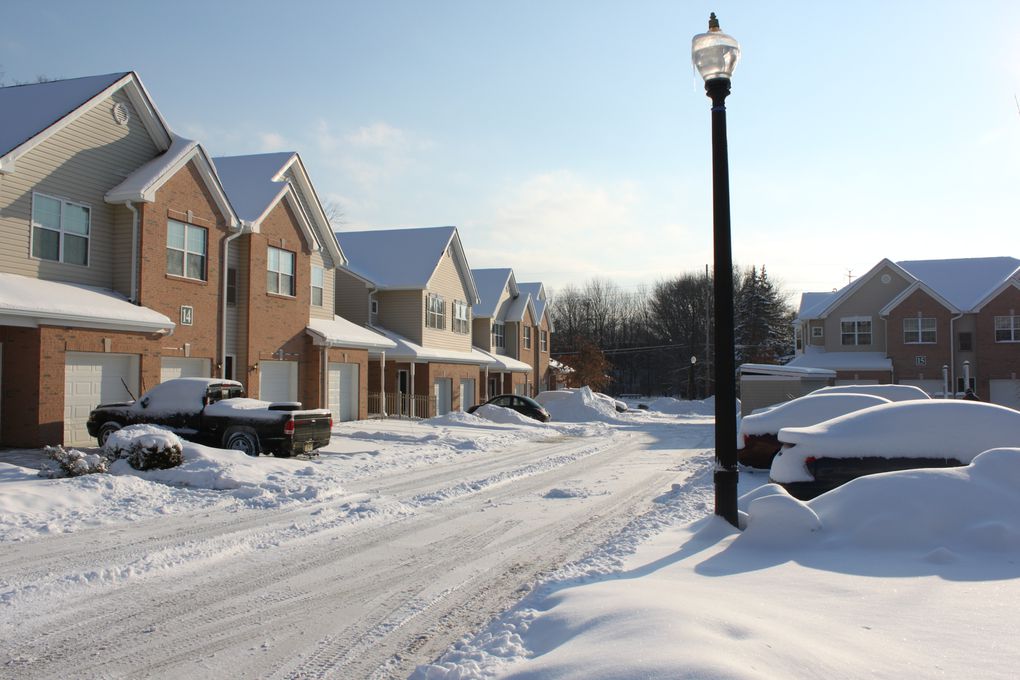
x=943, y=325
x=126, y=262
x=413, y=286
x=538, y=354
x=503, y=326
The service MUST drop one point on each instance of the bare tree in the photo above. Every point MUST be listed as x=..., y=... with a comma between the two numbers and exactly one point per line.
x=334, y=213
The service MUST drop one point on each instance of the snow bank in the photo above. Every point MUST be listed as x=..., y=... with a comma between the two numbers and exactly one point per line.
x=501, y=414
x=578, y=406
x=677, y=407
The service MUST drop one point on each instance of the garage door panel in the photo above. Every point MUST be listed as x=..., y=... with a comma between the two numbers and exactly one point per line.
x=184, y=367
x=278, y=380
x=343, y=391
x=90, y=379
x=1004, y=392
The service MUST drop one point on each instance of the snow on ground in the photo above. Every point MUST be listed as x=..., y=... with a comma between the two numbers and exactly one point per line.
x=909, y=574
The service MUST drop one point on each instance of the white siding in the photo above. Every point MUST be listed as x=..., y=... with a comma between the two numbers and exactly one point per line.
x=447, y=282
x=322, y=259
x=237, y=315
x=350, y=297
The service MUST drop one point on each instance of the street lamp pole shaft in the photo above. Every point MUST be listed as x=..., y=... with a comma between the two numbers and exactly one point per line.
x=725, y=369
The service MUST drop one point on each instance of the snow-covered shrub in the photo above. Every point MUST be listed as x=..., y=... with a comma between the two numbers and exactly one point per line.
x=145, y=447
x=73, y=463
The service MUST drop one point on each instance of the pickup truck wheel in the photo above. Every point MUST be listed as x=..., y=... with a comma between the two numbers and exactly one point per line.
x=243, y=441
x=105, y=430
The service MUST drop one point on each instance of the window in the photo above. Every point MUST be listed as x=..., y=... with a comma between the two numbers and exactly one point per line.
x=461, y=324
x=818, y=331
x=60, y=230
x=231, y=287
x=527, y=337
x=966, y=342
x=1007, y=329
x=435, y=311
x=856, y=330
x=498, y=337
x=280, y=277
x=374, y=307
x=544, y=340
x=318, y=277
x=228, y=367
x=919, y=330
x=186, y=248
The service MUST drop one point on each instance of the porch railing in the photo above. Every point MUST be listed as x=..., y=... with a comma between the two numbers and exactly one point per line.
x=401, y=405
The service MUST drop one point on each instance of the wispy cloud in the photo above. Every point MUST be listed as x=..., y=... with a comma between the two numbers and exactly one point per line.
x=273, y=141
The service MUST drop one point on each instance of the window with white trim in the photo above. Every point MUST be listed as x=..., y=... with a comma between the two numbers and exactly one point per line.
x=280, y=271
x=1007, y=329
x=318, y=282
x=818, y=331
x=187, y=247
x=527, y=337
x=435, y=311
x=374, y=307
x=498, y=335
x=461, y=323
x=855, y=330
x=919, y=331
x=543, y=340
x=231, y=287
x=60, y=230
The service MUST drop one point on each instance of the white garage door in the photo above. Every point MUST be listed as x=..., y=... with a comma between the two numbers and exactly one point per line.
x=444, y=395
x=91, y=379
x=932, y=387
x=467, y=393
x=180, y=367
x=278, y=380
x=343, y=391
x=1004, y=393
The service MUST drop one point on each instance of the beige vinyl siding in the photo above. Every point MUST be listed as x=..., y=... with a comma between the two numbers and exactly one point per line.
x=447, y=282
x=237, y=315
x=80, y=163
x=350, y=298
x=481, y=333
x=868, y=300
x=123, y=227
x=322, y=259
x=511, y=334
x=403, y=312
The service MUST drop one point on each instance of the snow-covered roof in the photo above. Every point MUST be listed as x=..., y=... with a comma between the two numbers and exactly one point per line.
x=491, y=283
x=27, y=110
x=31, y=302
x=501, y=362
x=810, y=303
x=412, y=351
x=963, y=282
x=339, y=332
x=842, y=361
x=786, y=370
x=538, y=299
x=250, y=183
x=142, y=184
x=559, y=366
x=28, y=113
x=518, y=306
x=404, y=259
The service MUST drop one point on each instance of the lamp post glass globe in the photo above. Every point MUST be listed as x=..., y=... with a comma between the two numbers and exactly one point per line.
x=714, y=53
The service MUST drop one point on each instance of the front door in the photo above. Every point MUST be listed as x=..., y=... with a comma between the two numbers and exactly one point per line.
x=403, y=392
x=444, y=395
x=467, y=393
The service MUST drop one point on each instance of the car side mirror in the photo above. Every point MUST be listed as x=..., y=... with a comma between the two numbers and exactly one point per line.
x=144, y=402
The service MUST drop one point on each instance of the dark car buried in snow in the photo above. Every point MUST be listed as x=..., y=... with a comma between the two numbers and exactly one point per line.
x=523, y=405
x=214, y=412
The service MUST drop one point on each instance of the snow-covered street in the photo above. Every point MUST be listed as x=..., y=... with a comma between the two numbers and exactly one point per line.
x=368, y=561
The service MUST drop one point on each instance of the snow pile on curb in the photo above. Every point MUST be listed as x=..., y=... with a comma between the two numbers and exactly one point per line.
x=508, y=416
x=676, y=407
x=145, y=447
x=578, y=406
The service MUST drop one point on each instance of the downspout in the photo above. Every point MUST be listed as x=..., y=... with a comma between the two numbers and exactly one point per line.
x=226, y=268
x=134, y=250
x=952, y=355
x=324, y=383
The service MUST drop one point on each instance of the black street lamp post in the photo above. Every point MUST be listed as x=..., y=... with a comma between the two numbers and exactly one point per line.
x=715, y=55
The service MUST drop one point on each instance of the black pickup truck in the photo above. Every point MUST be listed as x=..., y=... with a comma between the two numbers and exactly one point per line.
x=214, y=412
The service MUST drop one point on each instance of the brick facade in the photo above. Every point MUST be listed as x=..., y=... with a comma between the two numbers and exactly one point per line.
x=919, y=361
x=995, y=360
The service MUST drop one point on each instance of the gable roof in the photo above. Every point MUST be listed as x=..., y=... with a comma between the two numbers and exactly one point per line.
x=404, y=259
x=255, y=185
x=910, y=290
x=143, y=183
x=538, y=298
x=964, y=282
x=518, y=306
x=491, y=283
x=31, y=113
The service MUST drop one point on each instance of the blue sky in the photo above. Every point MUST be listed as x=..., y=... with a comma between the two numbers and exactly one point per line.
x=571, y=139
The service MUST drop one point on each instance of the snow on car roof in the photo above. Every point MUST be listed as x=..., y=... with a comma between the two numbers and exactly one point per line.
x=890, y=392
x=810, y=409
x=932, y=428
x=181, y=393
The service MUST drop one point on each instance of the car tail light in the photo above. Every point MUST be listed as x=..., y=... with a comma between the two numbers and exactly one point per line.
x=288, y=428
x=331, y=422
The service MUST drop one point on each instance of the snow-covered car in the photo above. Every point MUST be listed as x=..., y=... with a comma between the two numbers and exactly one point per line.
x=759, y=440
x=619, y=405
x=215, y=412
x=898, y=436
x=890, y=392
x=524, y=405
